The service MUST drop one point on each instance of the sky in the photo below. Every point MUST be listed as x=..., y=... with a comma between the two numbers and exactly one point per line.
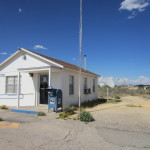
x=116, y=34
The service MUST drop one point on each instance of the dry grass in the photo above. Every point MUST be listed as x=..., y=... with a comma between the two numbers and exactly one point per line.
x=122, y=91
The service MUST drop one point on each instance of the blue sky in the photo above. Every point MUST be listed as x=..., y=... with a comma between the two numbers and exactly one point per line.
x=116, y=34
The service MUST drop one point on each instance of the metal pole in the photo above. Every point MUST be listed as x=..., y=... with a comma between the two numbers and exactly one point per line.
x=49, y=80
x=80, y=54
x=107, y=94
x=18, y=90
x=85, y=62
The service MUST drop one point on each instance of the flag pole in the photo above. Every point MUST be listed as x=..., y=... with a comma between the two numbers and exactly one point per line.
x=80, y=54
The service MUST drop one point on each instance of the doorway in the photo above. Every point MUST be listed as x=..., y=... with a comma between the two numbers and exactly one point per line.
x=43, y=86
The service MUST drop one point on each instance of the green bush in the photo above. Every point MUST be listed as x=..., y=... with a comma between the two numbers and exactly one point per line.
x=40, y=113
x=85, y=116
x=117, y=97
x=3, y=107
x=1, y=119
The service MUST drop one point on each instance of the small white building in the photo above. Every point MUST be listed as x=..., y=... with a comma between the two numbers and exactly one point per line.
x=25, y=75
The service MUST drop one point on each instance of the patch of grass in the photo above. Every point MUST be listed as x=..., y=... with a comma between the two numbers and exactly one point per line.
x=65, y=115
x=4, y=107
x=85, y=116
x=74, y=118
x=1, y=119
x=134, y=105
x=40, y=113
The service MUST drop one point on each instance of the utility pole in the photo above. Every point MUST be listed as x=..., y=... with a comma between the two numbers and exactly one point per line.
x=80, y=54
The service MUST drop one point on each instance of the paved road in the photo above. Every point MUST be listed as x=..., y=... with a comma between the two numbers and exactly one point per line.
x=114, y=129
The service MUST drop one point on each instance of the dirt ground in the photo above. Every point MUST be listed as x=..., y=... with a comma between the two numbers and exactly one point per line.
x=117, y=127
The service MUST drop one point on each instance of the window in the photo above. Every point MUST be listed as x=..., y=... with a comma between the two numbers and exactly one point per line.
x=93, y=85
x=71, y=85
x=11, y=84
x=85, y=84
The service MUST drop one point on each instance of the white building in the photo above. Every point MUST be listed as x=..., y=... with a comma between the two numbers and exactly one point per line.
x=25, y=75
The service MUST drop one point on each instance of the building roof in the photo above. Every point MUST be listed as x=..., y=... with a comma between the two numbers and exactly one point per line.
x=63, y=63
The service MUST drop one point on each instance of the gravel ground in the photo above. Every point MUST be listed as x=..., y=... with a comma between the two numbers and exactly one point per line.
x=117, y=127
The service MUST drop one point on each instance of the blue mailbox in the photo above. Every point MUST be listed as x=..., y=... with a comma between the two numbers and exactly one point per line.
x=54, y=99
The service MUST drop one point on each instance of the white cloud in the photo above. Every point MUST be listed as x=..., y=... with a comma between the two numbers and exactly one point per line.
x=19, y=10
x=134, y=6
x=130, y=5
x=3, y=53
x=74, y=59
x=106, y=81
x=39, y=47
x=110, y=81
x=133, y=14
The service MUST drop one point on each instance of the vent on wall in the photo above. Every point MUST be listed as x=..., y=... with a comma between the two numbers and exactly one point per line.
x=24, y=57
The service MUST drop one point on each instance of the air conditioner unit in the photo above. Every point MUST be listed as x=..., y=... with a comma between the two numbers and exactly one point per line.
x=89, y=91
x=86, y=91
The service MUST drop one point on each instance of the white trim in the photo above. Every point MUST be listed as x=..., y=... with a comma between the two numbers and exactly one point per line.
x=9, y=58
x=83, y=72
x=42, y=57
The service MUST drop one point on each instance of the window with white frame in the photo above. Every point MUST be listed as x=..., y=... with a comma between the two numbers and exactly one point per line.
x=84, y=83
x=71, y=85
x=93, y=85
x=11, y=84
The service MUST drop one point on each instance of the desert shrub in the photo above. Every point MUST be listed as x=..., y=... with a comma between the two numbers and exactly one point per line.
x=40, y=113
x=73, y=107
x=63, y=115
x=65, y=107
x=3, y=107
x=85, y=116
x=74, y=118
x=1, y=119
x=70, y=112
x=117, y=97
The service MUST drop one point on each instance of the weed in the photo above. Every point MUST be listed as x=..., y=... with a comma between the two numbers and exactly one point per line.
x=40, y=113
x=134, y=105
x=74, y=118
x=3, y=107
x=63, y=115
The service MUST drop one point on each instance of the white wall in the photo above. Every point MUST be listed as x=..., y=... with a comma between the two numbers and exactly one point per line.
x=29, y=90
x=73, y=99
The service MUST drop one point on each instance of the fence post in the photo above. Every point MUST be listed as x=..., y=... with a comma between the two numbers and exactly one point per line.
x=107, y=94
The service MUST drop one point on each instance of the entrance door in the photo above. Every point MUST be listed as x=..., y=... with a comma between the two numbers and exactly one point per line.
x=43, y=86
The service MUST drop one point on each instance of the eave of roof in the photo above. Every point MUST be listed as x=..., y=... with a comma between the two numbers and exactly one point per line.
x=63, y=63
x=56, y=62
